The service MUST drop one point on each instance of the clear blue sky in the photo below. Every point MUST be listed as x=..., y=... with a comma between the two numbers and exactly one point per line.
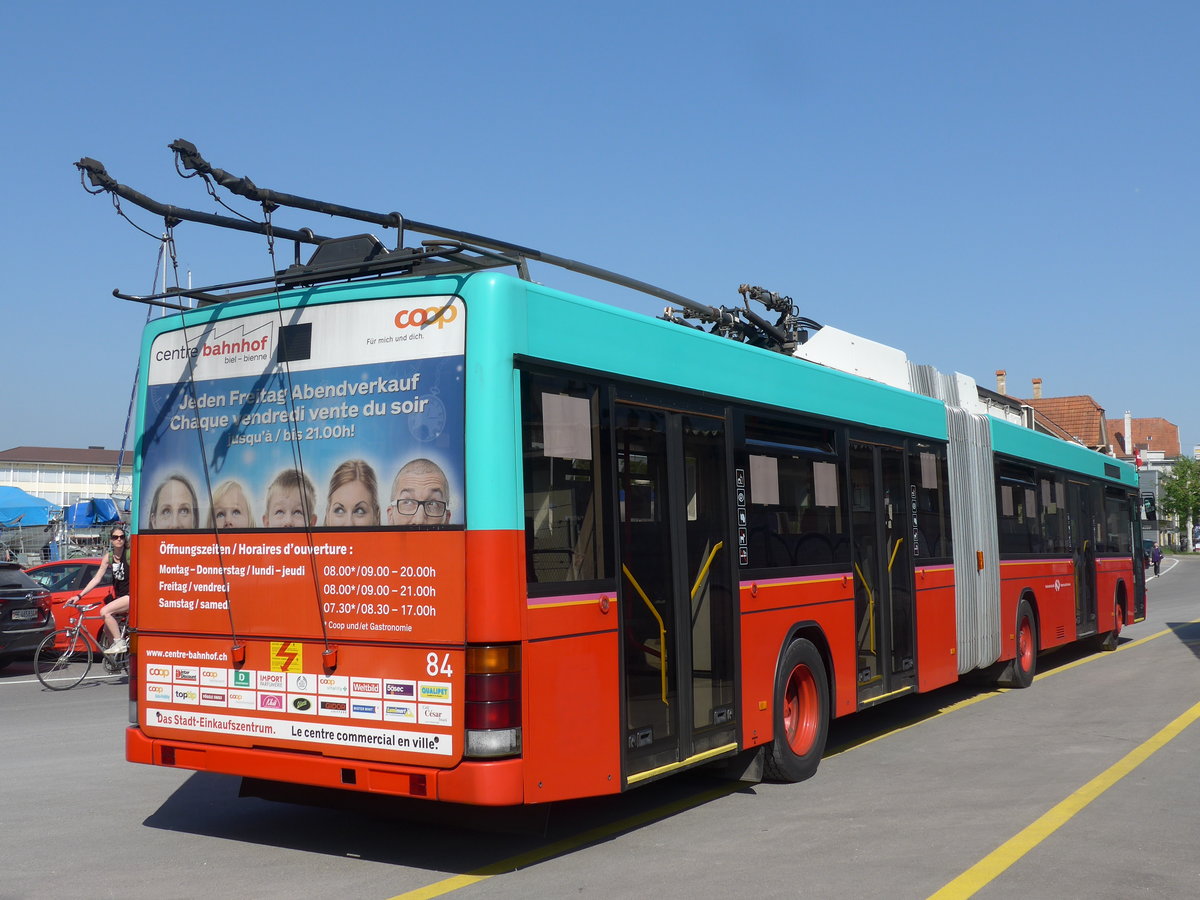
x=985, y=185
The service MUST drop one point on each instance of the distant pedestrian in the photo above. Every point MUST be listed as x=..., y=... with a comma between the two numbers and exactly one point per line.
x=1156, y=558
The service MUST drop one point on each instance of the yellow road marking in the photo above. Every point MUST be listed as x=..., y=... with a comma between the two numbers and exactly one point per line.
x=987, y=869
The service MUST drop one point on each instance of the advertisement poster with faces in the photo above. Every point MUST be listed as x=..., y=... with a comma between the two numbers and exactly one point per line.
x=350, y=393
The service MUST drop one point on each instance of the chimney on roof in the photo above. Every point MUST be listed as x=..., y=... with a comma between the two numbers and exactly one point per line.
x=1128, y=433
x=1037, y=389
x=1001, y=381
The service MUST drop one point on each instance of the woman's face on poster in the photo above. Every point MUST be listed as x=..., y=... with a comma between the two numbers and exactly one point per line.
x=175, y=507
x=351, y=504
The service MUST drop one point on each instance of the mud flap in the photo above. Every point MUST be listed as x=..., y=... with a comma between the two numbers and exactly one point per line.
x=746, y=766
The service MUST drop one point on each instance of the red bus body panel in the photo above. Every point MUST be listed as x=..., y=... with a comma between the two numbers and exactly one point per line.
x=937, y=631
x=770, y=609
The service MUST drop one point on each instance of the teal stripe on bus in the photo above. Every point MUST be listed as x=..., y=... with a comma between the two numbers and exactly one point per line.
x=594, y=335
x=1016, y=440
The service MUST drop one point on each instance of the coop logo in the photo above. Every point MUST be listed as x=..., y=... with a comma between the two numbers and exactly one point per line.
x=433, y=315
x=242, y=699
x=333, y=684
x=158, y=673
x=158, y=693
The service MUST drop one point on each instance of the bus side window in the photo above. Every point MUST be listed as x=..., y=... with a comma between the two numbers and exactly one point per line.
x=1054, y=514
x=931, y=502
x=795, y=515
x=1017, y=511
x=1116, y=516
x=564, y=527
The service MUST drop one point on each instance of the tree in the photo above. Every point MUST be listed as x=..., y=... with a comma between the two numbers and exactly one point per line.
x=1180, y=492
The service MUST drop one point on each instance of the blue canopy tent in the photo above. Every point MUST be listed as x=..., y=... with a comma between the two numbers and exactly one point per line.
x=18, y=509
x=92, y=513
x=27, y=524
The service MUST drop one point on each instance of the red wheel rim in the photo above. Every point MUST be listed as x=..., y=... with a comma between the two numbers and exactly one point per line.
x=801, y=717
x=1025, y=645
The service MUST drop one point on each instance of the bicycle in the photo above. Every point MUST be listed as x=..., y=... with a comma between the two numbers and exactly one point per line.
x=61, y=670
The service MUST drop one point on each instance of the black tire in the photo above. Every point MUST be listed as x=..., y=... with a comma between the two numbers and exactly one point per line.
x=1024, y=665
x=801, y=714
x=114, y=663
x=61, y=670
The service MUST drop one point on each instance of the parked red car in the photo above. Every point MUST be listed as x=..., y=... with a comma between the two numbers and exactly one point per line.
x=66, y=578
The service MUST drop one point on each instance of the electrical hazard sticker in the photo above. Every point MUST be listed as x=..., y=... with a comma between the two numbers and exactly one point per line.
x=287, y=656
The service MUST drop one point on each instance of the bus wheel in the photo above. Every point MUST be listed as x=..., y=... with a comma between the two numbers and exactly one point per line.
x=801, y=714
x=1024, y=667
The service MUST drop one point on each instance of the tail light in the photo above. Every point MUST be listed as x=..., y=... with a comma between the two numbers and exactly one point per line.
x=493, y=701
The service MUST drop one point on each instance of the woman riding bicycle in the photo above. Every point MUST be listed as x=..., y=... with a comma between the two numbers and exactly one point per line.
x=118, y=557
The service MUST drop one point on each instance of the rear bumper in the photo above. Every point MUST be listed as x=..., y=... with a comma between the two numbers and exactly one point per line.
x=23, y=641
x=498, y=783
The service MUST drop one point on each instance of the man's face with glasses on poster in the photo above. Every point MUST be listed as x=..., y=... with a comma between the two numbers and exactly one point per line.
x=420, y=495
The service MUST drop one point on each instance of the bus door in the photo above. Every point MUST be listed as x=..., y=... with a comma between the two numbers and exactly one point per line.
x=1081, y=522
x=883, y=571
x=676, y=595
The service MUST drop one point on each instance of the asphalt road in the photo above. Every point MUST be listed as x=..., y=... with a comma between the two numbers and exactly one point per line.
x=1086, y=784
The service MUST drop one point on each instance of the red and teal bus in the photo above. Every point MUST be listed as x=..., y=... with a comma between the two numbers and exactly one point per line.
x=428, y=528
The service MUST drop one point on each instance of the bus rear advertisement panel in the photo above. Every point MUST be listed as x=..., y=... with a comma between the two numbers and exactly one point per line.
x=302, y=473
x=393, y=704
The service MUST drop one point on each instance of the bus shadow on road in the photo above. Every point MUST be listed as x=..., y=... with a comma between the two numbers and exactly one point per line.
x=1188, y=634
x=869, y=725
x=424, y=835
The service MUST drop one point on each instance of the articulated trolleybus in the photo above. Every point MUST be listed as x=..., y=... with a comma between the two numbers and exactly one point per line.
x=409, y=523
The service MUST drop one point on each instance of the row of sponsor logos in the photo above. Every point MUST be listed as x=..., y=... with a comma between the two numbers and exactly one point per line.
x=275, y=729
x=344, y=707
x=333, y=686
